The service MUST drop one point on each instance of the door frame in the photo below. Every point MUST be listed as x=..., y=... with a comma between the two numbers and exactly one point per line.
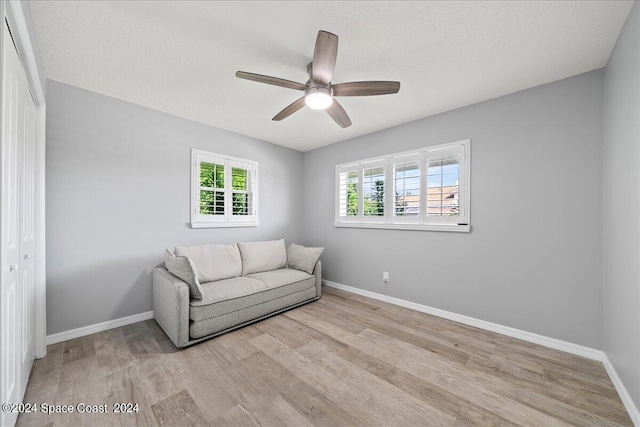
x=18, y=16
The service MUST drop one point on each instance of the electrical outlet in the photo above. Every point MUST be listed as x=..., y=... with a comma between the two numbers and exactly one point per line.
x=385, y=277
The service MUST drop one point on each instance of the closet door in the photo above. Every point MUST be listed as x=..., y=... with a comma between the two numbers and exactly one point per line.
x=17, y=230
x=26, y=221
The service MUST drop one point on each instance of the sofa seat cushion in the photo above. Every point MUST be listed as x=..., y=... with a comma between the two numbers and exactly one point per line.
x=229, y=295
x=283, y=276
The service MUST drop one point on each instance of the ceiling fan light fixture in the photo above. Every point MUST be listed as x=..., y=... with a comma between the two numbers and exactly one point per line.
x=319, y=91
x=318, y=98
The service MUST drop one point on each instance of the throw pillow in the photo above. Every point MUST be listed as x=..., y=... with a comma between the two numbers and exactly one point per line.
x=262, y=256
x=303, y=258
x=183, y=268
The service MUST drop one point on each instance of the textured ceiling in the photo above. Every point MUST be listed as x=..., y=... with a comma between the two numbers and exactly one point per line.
x=180, y=56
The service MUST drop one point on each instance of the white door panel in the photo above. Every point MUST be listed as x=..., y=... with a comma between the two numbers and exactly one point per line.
x=11, y=326
x=27, y=159
x=17, y=230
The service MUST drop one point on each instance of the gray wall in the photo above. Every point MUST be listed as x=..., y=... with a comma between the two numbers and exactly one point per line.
x=622, y=206
x=533, y=260
x=118, y=191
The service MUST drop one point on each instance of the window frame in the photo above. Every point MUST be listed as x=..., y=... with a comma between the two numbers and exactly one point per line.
x=227, y=219
x=424, y=222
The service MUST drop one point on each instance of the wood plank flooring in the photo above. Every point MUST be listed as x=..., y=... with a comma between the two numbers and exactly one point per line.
x=344, y=360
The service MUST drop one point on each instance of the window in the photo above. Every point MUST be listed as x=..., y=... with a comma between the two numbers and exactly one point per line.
x=223, y=191
x=425, y=189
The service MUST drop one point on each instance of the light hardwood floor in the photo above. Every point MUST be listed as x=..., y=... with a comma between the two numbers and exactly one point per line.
x=343, y=360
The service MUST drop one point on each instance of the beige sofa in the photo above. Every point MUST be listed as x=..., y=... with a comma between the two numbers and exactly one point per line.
x=207, y=290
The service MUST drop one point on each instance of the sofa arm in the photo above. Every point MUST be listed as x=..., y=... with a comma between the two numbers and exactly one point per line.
x=171, y=305
x=317, y=272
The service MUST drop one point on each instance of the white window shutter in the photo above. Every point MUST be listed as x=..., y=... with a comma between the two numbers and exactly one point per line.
x=425, y=189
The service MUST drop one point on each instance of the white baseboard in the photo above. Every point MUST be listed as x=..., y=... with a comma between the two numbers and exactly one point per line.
x=589, y=353
x=629, y=405
x=98, y=327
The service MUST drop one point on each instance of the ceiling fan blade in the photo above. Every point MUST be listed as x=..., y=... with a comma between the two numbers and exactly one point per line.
x=365, y=88
x=338, y=114
x=290, y=109
x=270, y=80
x=324, y=58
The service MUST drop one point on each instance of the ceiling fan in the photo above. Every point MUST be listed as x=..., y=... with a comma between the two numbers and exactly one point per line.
x=319, y=92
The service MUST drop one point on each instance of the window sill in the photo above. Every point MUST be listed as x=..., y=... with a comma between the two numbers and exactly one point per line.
x=223, y=224
x=418, y=227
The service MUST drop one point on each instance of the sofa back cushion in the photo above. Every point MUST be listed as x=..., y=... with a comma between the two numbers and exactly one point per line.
x=262, y=256
x=183, y=268
x=213, y=262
